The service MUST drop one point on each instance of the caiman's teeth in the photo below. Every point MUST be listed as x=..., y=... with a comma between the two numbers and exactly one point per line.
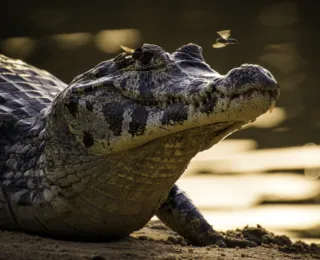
x=241, y=97
x=226, y=103
x=272, y=104
x=192, y=109
x=201, y=104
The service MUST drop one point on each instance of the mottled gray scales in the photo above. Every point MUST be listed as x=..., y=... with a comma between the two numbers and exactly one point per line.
x=178, y=114
x=89, y=105
x=99, y=157
x=113, y=113
x=139, y=121
x=73, y=106
x=208, y=107
x=146, y=85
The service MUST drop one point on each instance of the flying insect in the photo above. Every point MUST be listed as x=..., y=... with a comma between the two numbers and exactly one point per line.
x=224, y=39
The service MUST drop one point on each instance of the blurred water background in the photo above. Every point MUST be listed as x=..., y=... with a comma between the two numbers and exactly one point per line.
x=267, y=174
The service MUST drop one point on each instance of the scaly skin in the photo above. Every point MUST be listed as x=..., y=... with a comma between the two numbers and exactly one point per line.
x=98, y=158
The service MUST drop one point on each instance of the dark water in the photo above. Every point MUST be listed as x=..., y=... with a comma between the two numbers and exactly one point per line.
x=69, y=38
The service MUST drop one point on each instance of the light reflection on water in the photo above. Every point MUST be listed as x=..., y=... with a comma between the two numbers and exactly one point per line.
x=282, y=202
x=245, y=191
x=277, y=217
x=291, y=158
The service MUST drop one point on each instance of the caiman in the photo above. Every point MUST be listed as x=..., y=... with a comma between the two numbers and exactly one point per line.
x=99, y=157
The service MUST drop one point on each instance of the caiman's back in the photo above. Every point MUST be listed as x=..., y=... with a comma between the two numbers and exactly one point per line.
x=24, y=92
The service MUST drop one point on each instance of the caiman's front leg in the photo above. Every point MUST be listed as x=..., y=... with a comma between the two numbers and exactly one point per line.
x=182, y=216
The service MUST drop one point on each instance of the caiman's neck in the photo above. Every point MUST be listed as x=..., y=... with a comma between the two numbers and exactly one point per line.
x=63, y=152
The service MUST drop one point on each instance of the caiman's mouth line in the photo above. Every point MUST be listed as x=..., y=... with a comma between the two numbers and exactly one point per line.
x=196, y=102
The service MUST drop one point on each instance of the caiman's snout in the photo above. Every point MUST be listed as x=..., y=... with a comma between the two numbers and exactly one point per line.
x=249, y=83
x=266, y=82
x=257, y=76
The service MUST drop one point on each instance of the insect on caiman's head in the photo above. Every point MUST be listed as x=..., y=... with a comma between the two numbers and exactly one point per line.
x=147, y=93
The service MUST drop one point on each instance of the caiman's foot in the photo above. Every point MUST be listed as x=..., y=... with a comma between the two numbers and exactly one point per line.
x=180, y=215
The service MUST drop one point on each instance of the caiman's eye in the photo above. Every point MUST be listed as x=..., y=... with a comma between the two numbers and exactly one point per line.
x=144, y=57
x=136, y=54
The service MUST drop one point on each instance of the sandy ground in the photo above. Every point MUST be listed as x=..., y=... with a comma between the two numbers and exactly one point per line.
x=157, y=242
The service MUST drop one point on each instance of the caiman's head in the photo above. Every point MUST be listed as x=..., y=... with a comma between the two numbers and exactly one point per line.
x=148, y=93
